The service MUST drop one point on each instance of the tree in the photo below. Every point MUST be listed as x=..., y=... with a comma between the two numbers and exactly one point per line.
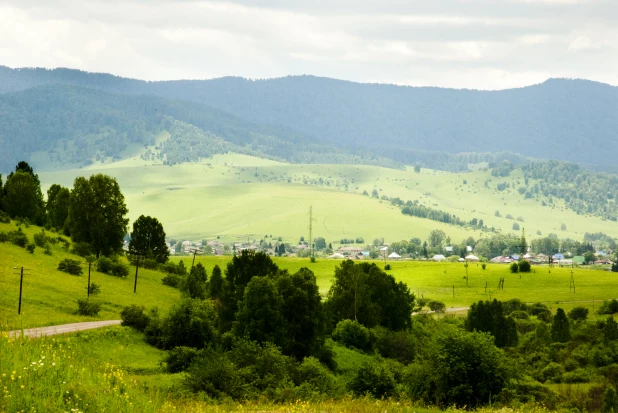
x=58, y=205
x=489, y=317
x=148, y=242
x=459, y=368
x=588, y=257
x=515, y=226
x=320, y=243
x=417, y=168
x=374, y=193
x=436, y=238
x=610, y=330
x=23, y=197
x=216, y=283
x=302, y=310
x=365, y=293
x=560, y=328
x=194, y=286
x=259, y=315
x=97, y=214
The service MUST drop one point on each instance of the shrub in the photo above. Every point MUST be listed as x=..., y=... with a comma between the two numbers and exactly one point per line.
x=520, y=315
x=397, y=345
x=314, y=375
x=552, y=372
x=4, y=237
x=172, y=280
x=191, y=323
x=30, y=248
x=149, y=263
x=180, y=358
x=524, y=266
x=541, y=312
x=83, y=249
x=436, y=306
x=48, y=250
x=87, y=307
x=387, y=267
x=134, y=316
x=4, y=218
x=483, y=265
x=609, y=307
x=169, y=267
x=422, y=302
x=73, y=267
x=18, y=238
x=351, y=333
x=578, y=313
x=373, y=378
x=514, y=268
x=120, y=270
x=104, y=265
x=94, y=289
x=40, y=239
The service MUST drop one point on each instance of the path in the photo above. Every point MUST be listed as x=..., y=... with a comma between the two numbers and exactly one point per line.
x=63, y=328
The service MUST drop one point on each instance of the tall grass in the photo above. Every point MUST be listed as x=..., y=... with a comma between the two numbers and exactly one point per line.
x=53, y=374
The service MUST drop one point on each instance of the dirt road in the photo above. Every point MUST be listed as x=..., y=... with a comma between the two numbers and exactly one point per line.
x=63, y=329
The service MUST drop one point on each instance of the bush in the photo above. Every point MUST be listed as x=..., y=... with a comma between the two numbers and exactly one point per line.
x=314, y=375
x=373, y=378
x=524, y=266
x=387, y=267
x=134, y=316
x=4, y=237
x=83, y=249
x=397, y=345
x=191, y=323
x=40, y=239
x=436, y=306
x=48, y=250
x=18, y=238
x=94, y=289
x=483, y=265
x=552, y=372
x=4, y=218
x=169, y=267
x=73, y=267
x=180, y=358
x=30, y=248
x=578, y=313
x=87, y=307
x=514, y=268
x=609, y=307
x=120, y=270
x=172, y=280
x=541, y=312
x=149, y=263
x=104, y=265
x=422, y=302
x=351, y=333
x=520, y=315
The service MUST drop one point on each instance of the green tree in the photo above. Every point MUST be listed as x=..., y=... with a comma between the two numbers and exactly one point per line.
x=459, y=368
x=302, y=310
x=147, y=242
x=489, y=317
x=23, y=197
x=216, y=283
x=259, y=316
x=610, y=330
x=97, y=214
x=436, y=238
x=194, y=286
x=365, y=293
x=320, y=243
x=58, y=205
x=560, y=328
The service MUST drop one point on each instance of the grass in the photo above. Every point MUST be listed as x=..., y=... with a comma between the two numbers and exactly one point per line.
x=240, y=197
x=50, y=296
x=436, y=280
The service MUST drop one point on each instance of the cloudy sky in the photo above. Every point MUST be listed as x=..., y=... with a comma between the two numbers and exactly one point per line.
x=483, y=44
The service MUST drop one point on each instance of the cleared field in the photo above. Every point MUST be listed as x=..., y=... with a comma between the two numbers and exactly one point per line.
x=437, y=281
x=50, y=296
x=239, y=197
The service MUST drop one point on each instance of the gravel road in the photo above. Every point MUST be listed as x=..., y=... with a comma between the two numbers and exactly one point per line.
x=63, y=329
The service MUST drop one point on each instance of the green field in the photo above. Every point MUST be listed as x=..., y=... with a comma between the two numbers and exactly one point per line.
x=240, y=197
x=50, y=296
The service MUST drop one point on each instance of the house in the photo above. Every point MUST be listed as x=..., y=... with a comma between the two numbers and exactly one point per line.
x=602, y=261
x=515, y=257
x=541, y=257
x=472, y=258
x=501, y=260
x=558, y=257
x=394, y=256
x=438, y=257
x=337, y=256
x=350, y=250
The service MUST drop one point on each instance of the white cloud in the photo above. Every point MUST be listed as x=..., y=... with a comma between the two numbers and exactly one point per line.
x=483, y=44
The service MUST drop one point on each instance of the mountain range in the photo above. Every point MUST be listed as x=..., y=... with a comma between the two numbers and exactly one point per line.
x=78, y=116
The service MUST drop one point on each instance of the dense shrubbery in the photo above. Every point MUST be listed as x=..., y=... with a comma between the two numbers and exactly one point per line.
x=87, y=307
x=71, y=266
x=111, y=267
x=351, y=333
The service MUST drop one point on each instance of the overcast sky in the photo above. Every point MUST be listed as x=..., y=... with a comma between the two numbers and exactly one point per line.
x=481, y=44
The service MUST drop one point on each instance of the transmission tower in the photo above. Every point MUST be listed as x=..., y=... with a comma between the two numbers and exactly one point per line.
x=311, y=243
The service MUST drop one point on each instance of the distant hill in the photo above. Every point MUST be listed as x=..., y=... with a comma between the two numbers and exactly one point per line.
x=573, y=120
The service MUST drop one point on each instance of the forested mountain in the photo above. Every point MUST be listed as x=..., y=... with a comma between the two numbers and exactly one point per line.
x=572, y=120
x=76, y=125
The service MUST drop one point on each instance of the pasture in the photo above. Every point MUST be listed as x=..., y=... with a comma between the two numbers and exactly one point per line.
x=239, y=197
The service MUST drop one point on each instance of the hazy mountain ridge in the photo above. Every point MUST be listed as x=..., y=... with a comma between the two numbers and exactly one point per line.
x=561, y=119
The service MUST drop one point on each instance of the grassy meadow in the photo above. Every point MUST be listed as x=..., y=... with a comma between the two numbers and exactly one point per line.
x=50, y=296
x=238, y=197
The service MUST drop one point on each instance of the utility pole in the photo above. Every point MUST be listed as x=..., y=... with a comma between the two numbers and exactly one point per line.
x=136, y=268
x=21, y=284
x=89, y=265
x=196, y=250
x=311, y=243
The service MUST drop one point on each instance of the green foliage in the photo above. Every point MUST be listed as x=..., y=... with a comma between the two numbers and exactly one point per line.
x=135, y=316
x=180, y=358
x=70, y=266
x=458, y=368
x=148, y=240
x=216, y=283
x=489, y=317
x=23, y=197
x=4, y=217
x=30, y=248
x=87, y=307
x=560, y=327
x=365, y=293
x=97, y=213
x=373, y=378
x=18, y=238
x=524, y=266
x=610, y=330
x=260, y=316
x=172, y=280
x=190, y=323
x=609, y=307
x=194, y=285
x=514, y=267
x=83, y=249
x=351, y=333
x=610, y=400
x=436, y=306
x=57, y=205
x=94, y=289
x=578, y=313
x=313, y=374
x=397, y=345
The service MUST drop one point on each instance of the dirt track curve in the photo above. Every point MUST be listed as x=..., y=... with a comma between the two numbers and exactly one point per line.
x=63, y=329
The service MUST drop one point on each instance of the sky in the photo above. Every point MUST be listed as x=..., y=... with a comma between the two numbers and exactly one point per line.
x=477, y=44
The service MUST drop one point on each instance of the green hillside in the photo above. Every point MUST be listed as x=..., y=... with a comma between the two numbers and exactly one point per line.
x=240, y=197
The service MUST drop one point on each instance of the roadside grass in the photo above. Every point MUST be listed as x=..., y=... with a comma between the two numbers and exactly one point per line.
x=241, y=196
x=50, y=296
